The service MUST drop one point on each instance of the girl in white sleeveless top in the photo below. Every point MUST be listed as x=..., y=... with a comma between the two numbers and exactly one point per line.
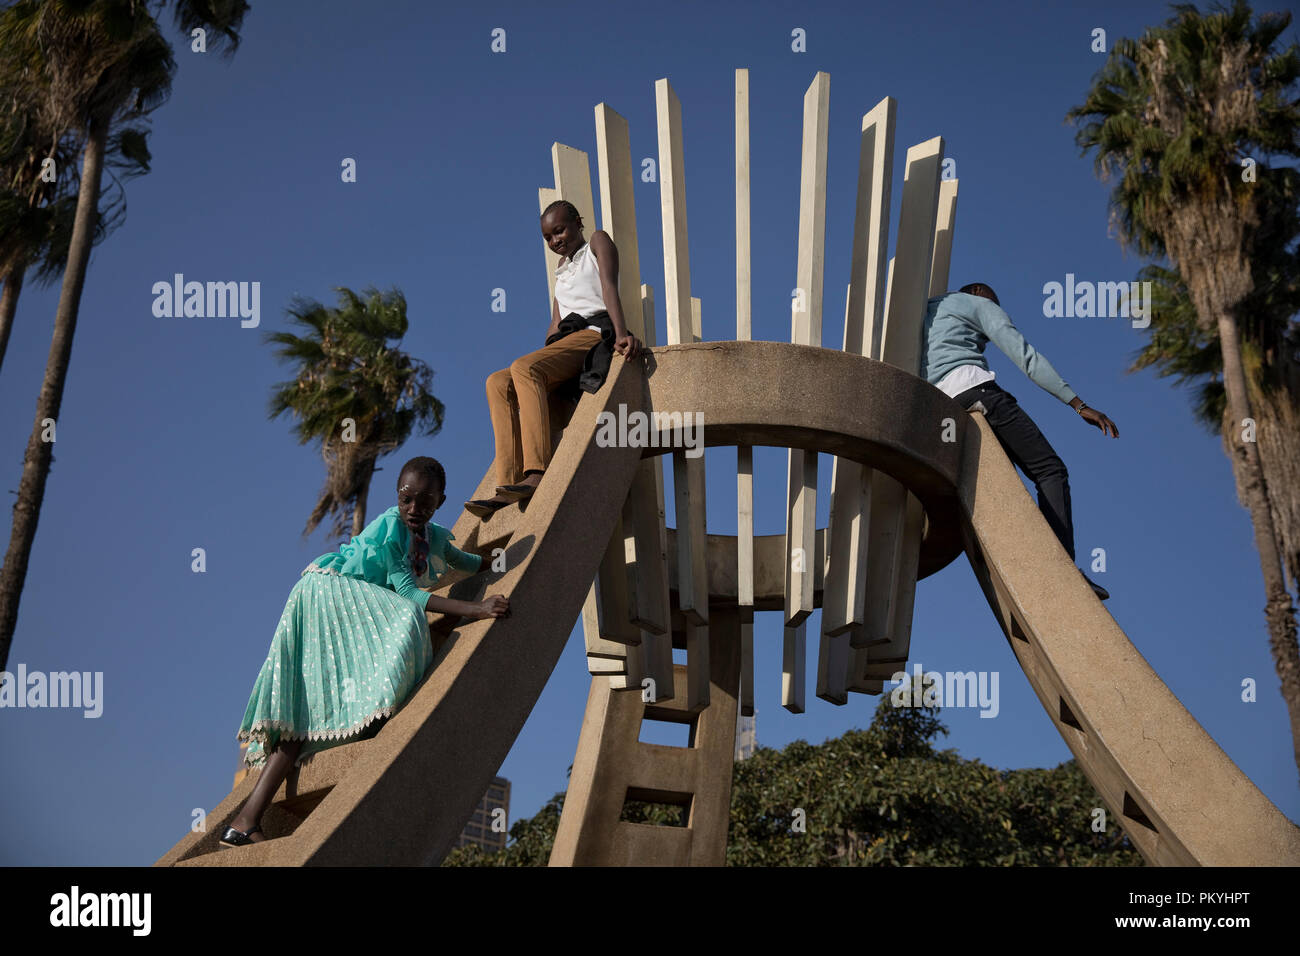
x=587, y=327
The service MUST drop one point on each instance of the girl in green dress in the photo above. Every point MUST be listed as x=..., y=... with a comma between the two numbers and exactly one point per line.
x=353, y=641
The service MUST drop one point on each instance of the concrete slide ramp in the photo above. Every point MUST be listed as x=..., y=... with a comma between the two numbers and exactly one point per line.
x=1180, y=798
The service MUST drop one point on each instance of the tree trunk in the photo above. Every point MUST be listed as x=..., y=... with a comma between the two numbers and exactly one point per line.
x=40, y=453
x=1278, y=610
x=13, y=285
x=1279, y=453
x=359, y=509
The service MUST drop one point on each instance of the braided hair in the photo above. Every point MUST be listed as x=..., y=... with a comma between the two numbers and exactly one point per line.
x=432, y=469
x=567, y=206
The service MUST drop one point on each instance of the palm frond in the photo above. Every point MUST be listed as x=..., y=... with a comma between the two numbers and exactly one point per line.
x=350, y=368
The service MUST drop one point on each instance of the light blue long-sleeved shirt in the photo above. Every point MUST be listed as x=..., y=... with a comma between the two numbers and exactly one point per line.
x=957, y=327
x=379, y=555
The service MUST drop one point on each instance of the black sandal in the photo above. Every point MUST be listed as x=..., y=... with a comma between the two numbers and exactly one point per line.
x=233, y=837
x=482, y=508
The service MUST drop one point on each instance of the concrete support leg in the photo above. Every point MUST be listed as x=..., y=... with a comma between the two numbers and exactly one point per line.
x=613, y=766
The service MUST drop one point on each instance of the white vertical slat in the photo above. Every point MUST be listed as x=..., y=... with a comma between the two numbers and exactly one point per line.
x=833, y=655
x=647, y=587
x=600, y=650
x=908, y=289
x=858, y=662
x=844, y=599
x=618, y=206
x=647, y=576
x=657, y=649
x=573, y=182
x=744, y=453
x=806, y=329
x=688, y=473
x=743, y=275
x=913, y=254
x=882, y=548
x=904, y=599
x=747, y=662
x=546, y=196
x=880, y=542
x=697, y=642
x=630, y=678
x=612, y=590
x=944, y=229
x=793, y=658
x=697, y=666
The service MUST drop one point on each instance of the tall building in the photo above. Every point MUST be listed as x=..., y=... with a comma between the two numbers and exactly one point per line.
x=746, y=735
x=487, y=827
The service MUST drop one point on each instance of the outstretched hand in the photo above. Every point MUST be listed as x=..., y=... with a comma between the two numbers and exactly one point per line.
x=497, y=605
x=1094, y=417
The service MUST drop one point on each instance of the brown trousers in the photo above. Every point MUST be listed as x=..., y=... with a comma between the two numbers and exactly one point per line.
x=524, y=410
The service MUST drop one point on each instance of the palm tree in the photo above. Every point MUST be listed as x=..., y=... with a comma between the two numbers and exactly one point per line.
x=1173, y=115
x=91, y=65
x=37, y=215
x=28, y=199
x=1270, y=348
x=347, y=371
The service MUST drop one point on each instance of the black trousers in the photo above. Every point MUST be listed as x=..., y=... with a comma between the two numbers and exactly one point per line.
x=1030, y=452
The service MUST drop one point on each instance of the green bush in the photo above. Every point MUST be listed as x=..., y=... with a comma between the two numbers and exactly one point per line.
x=883, y=796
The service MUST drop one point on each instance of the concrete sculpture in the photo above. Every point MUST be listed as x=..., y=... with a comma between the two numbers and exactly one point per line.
x=916, y=481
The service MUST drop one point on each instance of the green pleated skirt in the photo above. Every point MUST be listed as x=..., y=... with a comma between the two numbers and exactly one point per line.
x=346, y=653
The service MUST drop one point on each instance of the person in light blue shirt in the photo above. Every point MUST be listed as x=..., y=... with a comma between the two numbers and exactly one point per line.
x=958, y=325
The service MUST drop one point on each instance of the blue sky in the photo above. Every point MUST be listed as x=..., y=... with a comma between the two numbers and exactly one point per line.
x=164, y=443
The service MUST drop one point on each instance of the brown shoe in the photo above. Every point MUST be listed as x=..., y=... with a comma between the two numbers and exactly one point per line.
x=516, y=492
x=482, y=508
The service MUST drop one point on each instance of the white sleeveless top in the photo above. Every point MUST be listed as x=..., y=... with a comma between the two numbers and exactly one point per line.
x=577, y=284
